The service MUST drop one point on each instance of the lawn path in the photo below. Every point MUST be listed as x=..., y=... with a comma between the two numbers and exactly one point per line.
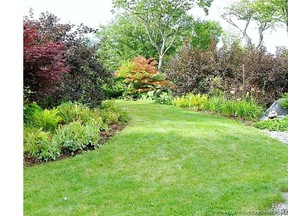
x=167, y=161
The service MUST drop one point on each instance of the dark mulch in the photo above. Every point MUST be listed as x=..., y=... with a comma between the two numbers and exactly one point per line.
x=104, y=137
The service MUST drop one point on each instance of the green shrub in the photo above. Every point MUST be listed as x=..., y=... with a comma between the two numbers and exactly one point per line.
x=111, y=114
x=248, y=109
x=115, y=88
x=164, y=98
x=72, y=111
x=214, y=104
x=76, y=137
x=110, y=117
x=38, y=144
x=229, y=108
x=46, y=119
x=92, y=129
x=69, y=111
x=180, y=102
x=107, y=104
x=71, y=137
x=273, y=124
x=196, y=101
x=28, y=111
x=161, y=95
x=114, y=116
x=244, y=108
x=123, y=116
x=284, y=101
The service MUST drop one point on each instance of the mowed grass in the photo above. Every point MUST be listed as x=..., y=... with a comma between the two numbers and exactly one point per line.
x=167, y=161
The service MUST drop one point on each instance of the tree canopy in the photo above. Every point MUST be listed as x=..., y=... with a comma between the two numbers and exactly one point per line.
x=162, y=20
x=122, y=40
x=264, y=13
x=274, y=11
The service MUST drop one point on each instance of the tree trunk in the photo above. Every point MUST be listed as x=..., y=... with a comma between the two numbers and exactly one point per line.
x=285, y=10
x=162, y=52
x=287, y=28
x=160, y=61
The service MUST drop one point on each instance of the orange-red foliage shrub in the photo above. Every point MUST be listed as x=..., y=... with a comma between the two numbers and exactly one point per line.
x=142, y=74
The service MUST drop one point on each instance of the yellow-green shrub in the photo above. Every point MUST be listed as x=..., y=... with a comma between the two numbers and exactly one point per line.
x=38, y=144
x=46, y=119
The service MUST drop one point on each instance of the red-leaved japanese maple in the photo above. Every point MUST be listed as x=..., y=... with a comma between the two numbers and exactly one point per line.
x=44, y=64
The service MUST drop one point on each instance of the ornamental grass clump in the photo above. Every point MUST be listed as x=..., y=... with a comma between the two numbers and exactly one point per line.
x=196, y=101
x=192, y=101
x=228, y=108
x=214, y=104
x=247, y=109
x=180, y=102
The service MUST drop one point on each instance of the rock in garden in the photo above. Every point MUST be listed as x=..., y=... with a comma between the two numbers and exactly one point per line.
x=275, y=111
x=272, y=114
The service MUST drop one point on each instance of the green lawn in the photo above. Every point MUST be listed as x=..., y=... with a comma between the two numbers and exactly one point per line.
x=167, y=161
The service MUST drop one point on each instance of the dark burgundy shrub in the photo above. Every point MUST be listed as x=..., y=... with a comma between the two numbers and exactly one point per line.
x=242, y=71
x=229, y=61
x=278, y=76
x=190, y=68
x=84, y=81
x=259, y=74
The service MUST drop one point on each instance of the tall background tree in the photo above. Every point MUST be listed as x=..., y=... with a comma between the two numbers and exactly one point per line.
x=122, y=40
x=202, y=33
x=163, y=21
x=274, y=10
x=245, y=13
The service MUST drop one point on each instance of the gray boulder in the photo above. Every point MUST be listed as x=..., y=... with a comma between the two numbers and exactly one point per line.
x=275, y=111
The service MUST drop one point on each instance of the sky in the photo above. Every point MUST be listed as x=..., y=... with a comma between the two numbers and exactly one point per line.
x=95, y=12
x=90, y=12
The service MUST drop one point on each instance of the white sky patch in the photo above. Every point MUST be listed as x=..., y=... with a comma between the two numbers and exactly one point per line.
x=90, y=12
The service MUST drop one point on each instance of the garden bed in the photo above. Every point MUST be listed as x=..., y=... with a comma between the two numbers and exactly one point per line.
x=104, y=137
